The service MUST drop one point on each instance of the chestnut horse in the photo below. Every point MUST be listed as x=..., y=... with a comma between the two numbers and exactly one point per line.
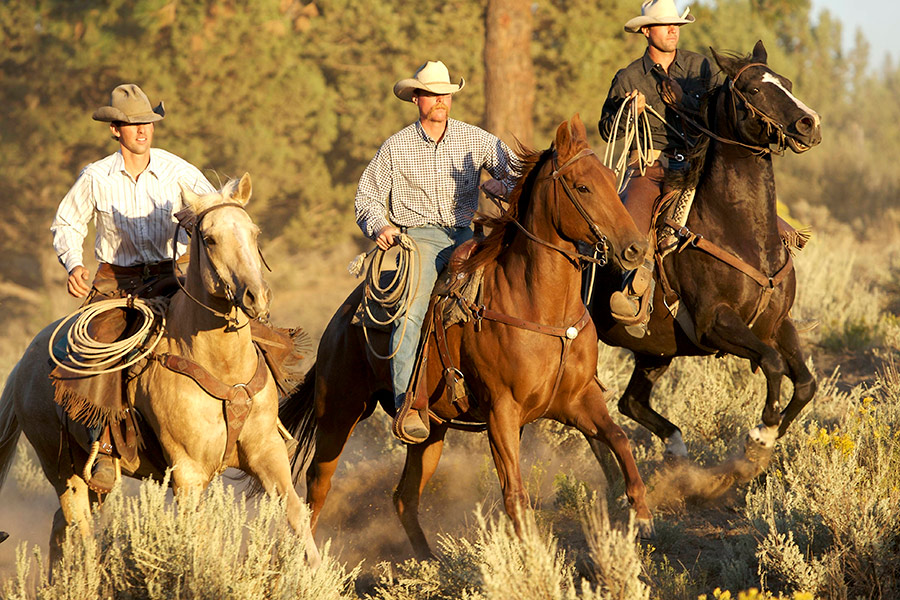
x=731, y=273
x=206, y=324
x=514, y=374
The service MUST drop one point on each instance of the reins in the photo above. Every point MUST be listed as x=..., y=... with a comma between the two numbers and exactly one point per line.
x=576, y=258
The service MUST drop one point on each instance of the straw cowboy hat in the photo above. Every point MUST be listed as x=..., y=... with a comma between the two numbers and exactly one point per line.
x=432, y=77
x=129, y=104
x=658, y=12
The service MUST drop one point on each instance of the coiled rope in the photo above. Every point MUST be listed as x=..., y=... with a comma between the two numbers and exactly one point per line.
x=636, y=132
x=90, y=356
x=394, y=297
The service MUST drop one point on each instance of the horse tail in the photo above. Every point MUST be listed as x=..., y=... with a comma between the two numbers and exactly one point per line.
x=9, y=426
x=298, y=414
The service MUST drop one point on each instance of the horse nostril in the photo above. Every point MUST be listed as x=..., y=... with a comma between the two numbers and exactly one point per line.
x=633, y=252
x=805, y=125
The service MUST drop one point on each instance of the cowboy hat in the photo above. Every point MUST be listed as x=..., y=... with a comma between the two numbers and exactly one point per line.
x=129, y=104
x=658, y=12
x=432, y=77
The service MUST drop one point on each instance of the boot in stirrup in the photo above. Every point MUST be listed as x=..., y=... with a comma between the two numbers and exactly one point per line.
x=631, y=306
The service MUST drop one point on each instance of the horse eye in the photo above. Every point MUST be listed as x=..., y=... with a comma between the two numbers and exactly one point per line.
x=582, y=188
x=754, y=91
x=209, y=240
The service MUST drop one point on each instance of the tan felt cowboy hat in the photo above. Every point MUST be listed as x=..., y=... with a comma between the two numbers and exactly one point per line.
x=658, y=12
x=129, y=104
x=432, y=77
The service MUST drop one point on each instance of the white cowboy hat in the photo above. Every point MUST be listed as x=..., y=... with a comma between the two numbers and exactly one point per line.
x=432, y=77
x=658, y=12
x=129, y=104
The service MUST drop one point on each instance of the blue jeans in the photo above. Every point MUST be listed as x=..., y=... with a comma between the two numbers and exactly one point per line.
x=435, y=244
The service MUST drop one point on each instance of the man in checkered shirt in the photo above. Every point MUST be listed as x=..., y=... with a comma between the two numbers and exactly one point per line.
x=424, y=181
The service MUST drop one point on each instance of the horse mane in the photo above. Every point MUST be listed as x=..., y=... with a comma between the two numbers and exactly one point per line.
x=219, y=196
x=696, y=156
x=503, y=227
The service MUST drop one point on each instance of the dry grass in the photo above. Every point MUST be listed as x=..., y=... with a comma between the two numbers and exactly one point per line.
x=821, y=522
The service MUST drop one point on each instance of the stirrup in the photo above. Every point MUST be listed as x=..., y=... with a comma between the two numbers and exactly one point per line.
x=87, y=474
x=636, y=325
x=397, y=427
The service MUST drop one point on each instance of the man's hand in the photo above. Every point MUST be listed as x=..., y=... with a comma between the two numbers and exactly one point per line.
x=77, y=284
x=387, y=237
x=494, y=187
x=640, y=100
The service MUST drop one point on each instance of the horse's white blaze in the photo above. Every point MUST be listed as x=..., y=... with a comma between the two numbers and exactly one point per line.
x=770, y=78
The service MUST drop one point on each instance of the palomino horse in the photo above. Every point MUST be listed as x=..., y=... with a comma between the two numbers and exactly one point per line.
x=515, y=373
x=732, y=273
x=202, y=325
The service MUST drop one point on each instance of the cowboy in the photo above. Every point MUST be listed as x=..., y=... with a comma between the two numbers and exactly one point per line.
x=132, y=196
x=663, y=71
x=423, y=182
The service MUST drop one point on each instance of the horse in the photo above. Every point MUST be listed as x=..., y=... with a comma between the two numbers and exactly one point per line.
x=729, y=286
x=543, y=365
x=206, y=328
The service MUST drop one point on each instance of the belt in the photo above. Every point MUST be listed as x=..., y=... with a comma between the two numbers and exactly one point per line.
x=142, y=270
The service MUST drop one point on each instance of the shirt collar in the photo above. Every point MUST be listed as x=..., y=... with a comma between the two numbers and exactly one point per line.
x=649, y=64
x=118, y=164
x=425, y=137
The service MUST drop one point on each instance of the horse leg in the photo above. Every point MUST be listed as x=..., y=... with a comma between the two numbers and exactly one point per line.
x=334, y=428
x=730, y=334
x=421, y=463
x=74, y=508
x=588, y=413
x=267, y=460
x=635, y=402
x=788, y=343
x=504, y=424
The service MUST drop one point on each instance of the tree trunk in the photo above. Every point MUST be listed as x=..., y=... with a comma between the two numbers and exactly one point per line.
x=509, y=72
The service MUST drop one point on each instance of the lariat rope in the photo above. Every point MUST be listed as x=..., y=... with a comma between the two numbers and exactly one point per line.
x=636, y=131
x=394, y=298
x=93, y=354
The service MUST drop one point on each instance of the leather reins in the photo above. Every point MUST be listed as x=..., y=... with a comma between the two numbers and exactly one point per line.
x=602, y=243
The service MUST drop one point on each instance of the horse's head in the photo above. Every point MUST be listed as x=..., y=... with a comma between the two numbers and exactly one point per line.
x=588, y=207
x=764, y=109
x=225, y=261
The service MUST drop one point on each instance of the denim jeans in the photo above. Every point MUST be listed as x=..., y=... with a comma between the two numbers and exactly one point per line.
x=435, y=245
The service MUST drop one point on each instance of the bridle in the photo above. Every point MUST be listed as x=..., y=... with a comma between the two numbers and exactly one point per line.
x=189, y=222
x=601, y=246
x=770, y=123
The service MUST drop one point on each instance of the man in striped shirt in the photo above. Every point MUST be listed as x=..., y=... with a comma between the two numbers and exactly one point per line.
x=424, y=181
x=132, y=196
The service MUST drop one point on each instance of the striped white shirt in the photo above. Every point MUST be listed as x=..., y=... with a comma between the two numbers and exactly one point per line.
x=429, y=183
x=134, y=219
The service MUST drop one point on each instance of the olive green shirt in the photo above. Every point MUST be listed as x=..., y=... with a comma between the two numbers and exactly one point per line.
x=692, y=71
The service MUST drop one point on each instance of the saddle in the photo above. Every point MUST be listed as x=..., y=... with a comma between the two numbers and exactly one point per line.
x=103, y=398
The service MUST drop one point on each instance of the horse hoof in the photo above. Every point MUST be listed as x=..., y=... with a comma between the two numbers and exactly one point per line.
x=676, y=451
x=3, y=536
x=644, y=528
x=763, y=435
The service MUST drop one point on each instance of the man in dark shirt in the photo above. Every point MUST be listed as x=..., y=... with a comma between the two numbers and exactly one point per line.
x=684, y=76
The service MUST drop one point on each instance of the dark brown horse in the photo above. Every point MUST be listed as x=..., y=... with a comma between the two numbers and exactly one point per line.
x=514, y=373
x=735, y=281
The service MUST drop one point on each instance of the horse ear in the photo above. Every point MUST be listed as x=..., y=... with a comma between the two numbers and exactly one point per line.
x=726, y=63
x=563, y=137
x=188, y=196
x=759, y=52
x=244, y=189
x=576, y=128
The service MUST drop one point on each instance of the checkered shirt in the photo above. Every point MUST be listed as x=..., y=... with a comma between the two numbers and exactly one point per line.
x=429, y=183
